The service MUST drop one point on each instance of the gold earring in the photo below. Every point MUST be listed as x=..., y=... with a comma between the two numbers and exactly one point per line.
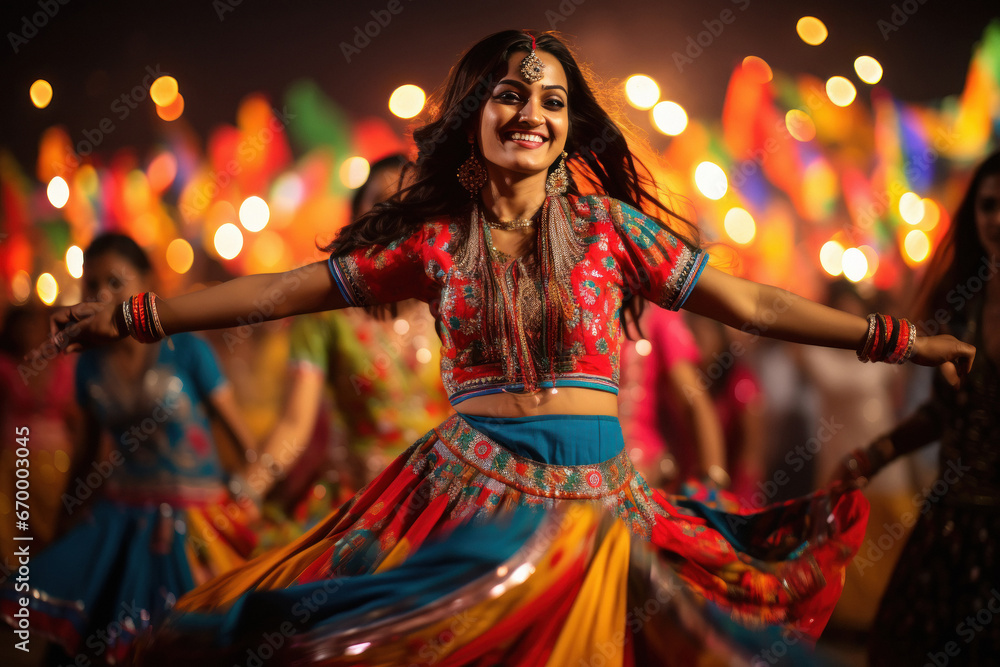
x=472, y=174
x=558, y=181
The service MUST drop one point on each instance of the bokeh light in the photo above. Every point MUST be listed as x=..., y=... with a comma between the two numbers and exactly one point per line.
x=643, y=347
x=911, y=208
x=811, y=30
x=162, y=171
x=58, y=192
x=267, y=251
x=228, y=241
x=869, y=70
x=40, y=93
x=840, y=91
x=670, y=118
x=831, y=258
x=872, y=257
x=172, y=111
x=287, y=192
x=74, y=261
x=254, y=214
x=854, y=264
x=20, y=287
x=424, y=355
x=163, y=92
x=800, y=125
x=917, y=245
x=354, y=172
x=180, y=256
x=47, y=288
x=407, y=101
x=758, y=69
x=641, y=91
x=739, y=225
x=711, y=180
x=932, y=214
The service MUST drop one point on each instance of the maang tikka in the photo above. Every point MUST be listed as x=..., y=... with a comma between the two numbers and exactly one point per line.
x=532, y=66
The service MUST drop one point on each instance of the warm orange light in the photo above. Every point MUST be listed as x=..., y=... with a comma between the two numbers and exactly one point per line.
x=641, y=91
x=757, y=69
x=869, y=70
x=840, y=91
x=163, y=92
x=172, y=111
x=180, y=256
x=711, y=180
x=669, y=118
x=800, y=125
x=407, y=101
x=739, y=225
x=811, y=30
x=831, y=258
x=40, y=93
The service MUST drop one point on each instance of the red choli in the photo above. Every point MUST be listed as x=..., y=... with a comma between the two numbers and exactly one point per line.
x=599, y=248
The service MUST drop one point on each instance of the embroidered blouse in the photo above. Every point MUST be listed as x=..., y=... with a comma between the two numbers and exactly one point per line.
x=548, y=319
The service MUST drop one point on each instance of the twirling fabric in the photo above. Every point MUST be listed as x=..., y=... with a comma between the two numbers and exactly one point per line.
x=467, y=551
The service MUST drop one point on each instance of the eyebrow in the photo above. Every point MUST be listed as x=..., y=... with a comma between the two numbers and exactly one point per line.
x=521, y=84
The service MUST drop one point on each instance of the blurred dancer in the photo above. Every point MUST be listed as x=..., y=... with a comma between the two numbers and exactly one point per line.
x=37, y=401
x=668, y=417
x=737, y=397
x=385, y=393
x=942, y=602
x=164, y=522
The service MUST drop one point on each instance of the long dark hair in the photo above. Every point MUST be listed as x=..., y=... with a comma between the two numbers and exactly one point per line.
x=957, y=259
x=600, y=159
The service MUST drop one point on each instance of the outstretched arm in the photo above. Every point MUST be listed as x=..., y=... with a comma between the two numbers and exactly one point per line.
x=777, y=313
x=246, y=300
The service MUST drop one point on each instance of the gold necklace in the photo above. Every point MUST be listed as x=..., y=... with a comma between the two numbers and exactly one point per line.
x=511, y=225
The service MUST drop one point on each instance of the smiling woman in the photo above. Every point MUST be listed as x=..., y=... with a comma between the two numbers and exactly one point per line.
x=522, y=511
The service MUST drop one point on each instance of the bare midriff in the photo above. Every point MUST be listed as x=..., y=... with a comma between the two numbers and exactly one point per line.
x=563, y=401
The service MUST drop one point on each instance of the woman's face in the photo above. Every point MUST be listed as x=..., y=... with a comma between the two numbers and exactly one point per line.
x=110, y=278
x=988, y=214
x=523, y=126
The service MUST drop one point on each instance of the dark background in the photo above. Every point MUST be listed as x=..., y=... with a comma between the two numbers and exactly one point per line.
x=93, y=52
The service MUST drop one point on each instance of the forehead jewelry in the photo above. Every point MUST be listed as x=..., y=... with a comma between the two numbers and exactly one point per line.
x=532, y=66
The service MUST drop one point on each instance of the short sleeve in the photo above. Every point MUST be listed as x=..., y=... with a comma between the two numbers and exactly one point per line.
x=200, y=362
x=383, y=274
x=654, y=262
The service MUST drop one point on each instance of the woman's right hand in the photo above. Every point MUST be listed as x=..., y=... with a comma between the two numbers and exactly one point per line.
x=84, y=325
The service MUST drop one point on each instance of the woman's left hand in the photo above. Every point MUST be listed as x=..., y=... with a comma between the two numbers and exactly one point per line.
x=952, y=355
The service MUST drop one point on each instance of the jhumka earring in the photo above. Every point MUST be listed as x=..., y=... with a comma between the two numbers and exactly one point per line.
x=472, y=174
x=532, y=66
x=558, y=181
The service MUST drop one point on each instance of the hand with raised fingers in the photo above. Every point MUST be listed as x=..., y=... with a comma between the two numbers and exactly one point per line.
x=85, y=325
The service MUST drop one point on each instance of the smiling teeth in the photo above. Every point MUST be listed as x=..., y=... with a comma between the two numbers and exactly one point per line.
x=533, y=138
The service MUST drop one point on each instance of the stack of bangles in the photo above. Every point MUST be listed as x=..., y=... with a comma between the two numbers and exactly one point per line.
x=140, y=319
x=890, y=339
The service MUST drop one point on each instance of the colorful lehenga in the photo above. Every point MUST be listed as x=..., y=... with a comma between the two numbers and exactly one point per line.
x=164, y=521
x=526, y=541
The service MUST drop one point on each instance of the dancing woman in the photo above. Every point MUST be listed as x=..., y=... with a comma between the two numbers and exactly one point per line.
x=946, y=577
x=164, y=521
x=527, y=258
